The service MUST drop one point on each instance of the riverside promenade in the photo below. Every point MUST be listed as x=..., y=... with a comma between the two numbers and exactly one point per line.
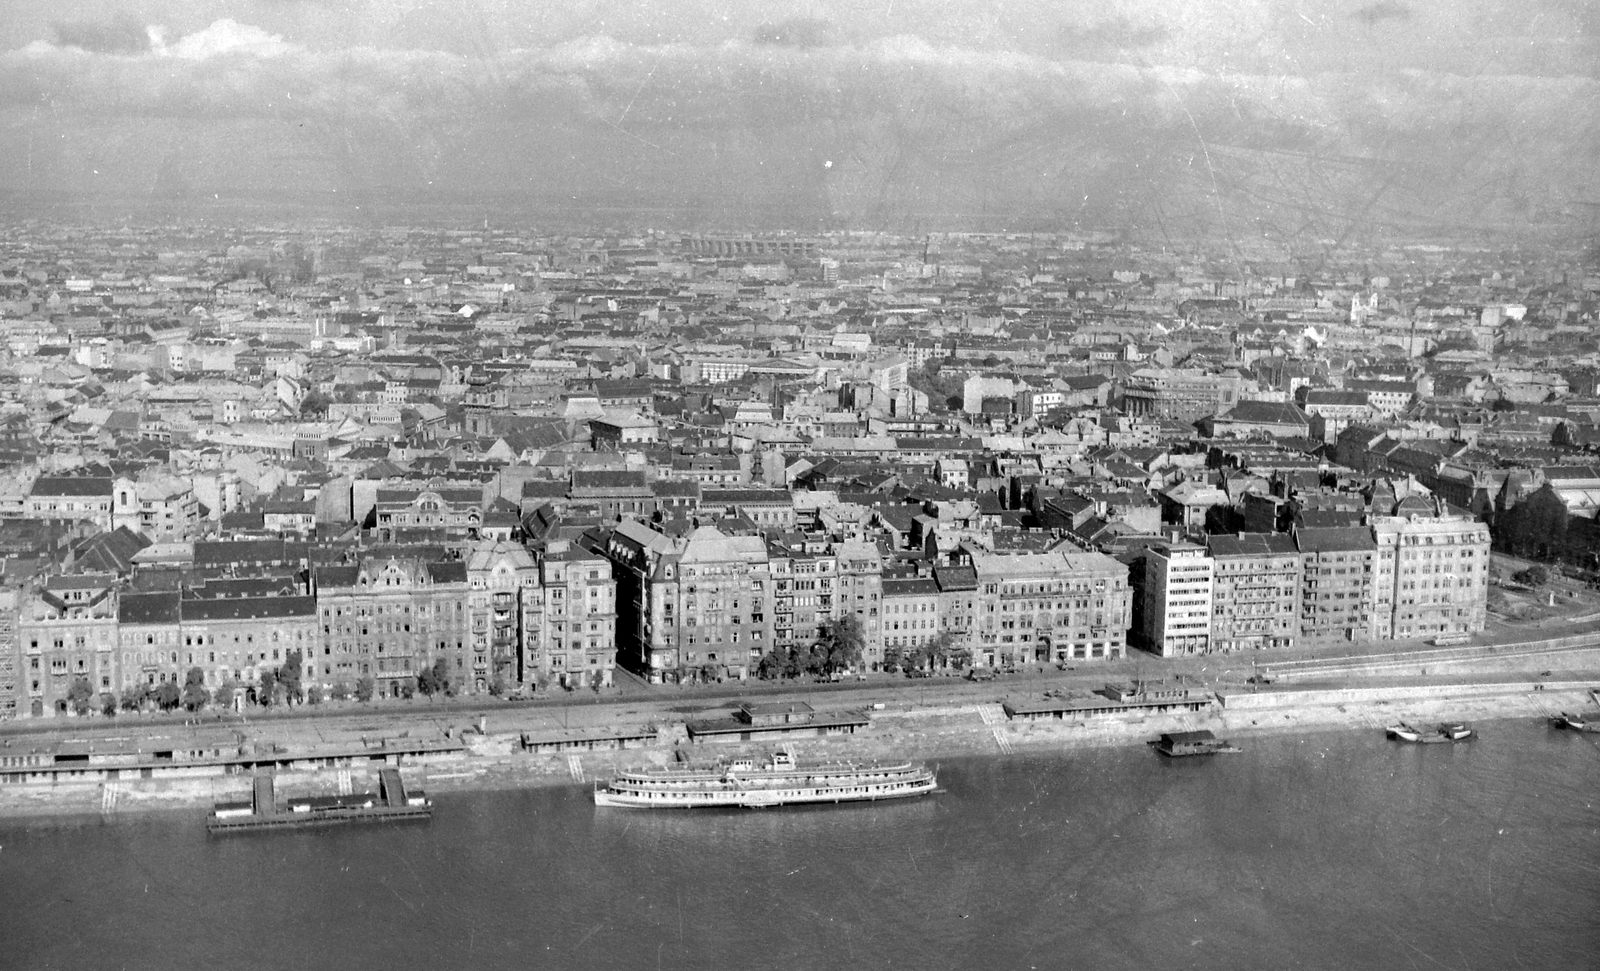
x=463, y=744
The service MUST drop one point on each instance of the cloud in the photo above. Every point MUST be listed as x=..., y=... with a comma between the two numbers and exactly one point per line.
x=125, y=36
x=224, y=37
x=122, y=34
x=1376, y=13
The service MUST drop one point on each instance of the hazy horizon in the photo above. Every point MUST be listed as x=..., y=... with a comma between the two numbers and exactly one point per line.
x=1237, y=120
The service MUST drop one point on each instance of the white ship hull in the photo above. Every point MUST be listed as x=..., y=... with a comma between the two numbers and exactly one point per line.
x=666, y=789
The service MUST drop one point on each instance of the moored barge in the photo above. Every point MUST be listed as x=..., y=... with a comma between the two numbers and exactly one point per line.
x=781, y=781
x=393, y=802
x=1202, y=742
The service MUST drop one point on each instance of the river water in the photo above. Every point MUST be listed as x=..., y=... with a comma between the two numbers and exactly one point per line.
x=1334, y=850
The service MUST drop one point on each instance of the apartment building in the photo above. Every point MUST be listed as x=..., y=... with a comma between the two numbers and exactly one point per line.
x=389, y=619
x=1050, y=606
x=861, y=594
x=1336, y=593
x=238, y=639
x=576, y=627
x=803, y=592
x=67, y=631
x=958, y=601
x=11, y=660
x=691, y=606
x=1431, y=575
x=162, y=507
x=1176, y=600
x=458, y=511
x=503, y=600
x=68, y=497
x=1255, y=591
x=910, y=612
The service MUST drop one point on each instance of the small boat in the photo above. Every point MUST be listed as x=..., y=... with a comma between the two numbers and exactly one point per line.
x=1202, y=742
x=1451, y=732
x=1576, y=723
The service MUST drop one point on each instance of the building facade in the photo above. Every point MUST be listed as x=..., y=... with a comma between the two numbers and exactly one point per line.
x=1255, y=592
x=1431, y=576
x=1336, y=593
x=910, y=613
x=1034, y=607
x=861, y=594
x=67, y=631
x=389, y=619
x=504, y=599
x=1175, y=597
x=576, y=642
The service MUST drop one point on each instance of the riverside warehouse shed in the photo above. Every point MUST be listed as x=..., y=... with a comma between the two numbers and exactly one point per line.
x=205, y=754
x=1136, y=702
x=759, y=722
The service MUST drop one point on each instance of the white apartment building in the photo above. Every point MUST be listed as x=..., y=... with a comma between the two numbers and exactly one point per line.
x=1176, y=599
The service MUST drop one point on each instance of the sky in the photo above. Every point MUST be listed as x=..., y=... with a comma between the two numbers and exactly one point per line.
x=1246, y=118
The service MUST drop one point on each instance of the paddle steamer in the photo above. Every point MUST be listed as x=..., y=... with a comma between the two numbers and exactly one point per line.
x=781, y=781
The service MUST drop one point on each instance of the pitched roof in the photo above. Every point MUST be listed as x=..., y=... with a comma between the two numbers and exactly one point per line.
x=1265, y=413
x=247, y=608
x=1335, y=539
x=148, y=608
x=1252, y=544
x=71, y=486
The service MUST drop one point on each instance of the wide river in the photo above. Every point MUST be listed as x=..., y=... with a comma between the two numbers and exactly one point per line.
x=1336, y=850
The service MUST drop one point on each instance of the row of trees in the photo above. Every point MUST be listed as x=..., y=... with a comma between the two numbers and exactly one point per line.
x=944, y=651
x=283, y=685
x=840, y=646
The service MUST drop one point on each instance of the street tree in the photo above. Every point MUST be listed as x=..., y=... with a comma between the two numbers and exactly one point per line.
x=771, y=666
x=366, y=688
x=135, y=697
x=841, y=643
x=225, y=694
x=805, y=659
x=81, y=695
x=435, y=679
x=291, y=676
x=945, y=647
x=108, y=704
x=267, y=690
x=167, y=696
x=1533, y=576
x=195, y=694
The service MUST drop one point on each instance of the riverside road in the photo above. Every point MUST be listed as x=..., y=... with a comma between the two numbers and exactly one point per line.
x=634, y=702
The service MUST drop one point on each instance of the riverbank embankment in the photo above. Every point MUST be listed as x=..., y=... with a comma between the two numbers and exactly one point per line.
x=919, y=729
